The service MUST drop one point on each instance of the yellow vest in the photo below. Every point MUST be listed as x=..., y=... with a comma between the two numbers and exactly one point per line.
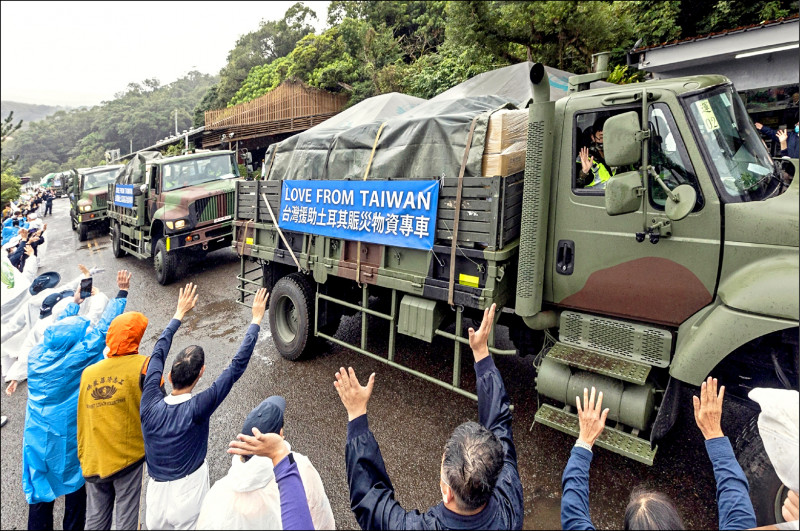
x=109, y=426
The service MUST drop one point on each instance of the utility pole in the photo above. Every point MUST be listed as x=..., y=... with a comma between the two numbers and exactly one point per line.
x=176, y=122
x=131, y=149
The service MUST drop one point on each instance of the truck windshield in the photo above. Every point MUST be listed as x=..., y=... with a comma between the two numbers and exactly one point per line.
x=190, y=172
x=740, y=163
x=99, y=179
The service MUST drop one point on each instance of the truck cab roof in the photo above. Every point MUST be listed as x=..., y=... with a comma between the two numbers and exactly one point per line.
x=189, y=156
x=677, y=85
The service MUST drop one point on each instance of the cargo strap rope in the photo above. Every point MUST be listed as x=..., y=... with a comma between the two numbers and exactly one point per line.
x=271, y=160
x=280, y=232
x=247, y=225
x=366, y=173
x=460, y=188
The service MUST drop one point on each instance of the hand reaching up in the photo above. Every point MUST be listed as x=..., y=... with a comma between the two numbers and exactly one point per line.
x=354, y=396
x=264, y=444
x=260, y=305
x=124, y=279
x=591, y=417
x=479, y=341
x=187, y=298
x=708, y=409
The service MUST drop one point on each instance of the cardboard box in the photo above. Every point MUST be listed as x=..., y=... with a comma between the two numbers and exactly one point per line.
x=506, y=128
x=508, y=163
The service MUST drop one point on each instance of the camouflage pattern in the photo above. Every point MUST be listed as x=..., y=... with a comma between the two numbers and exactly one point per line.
x=194, y=217
x=88, y=206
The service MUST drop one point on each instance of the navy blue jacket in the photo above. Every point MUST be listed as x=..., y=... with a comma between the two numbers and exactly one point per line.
x=792, y=146
x=733, y=500
x=176, y=435
x=372, y=494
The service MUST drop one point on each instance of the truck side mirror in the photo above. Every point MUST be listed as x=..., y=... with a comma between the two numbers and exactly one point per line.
x=140, y=190
x=622, y=145
x=624, y=192
x=681, y=202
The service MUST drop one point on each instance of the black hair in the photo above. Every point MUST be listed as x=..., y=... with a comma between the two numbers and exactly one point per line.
x=648, y=509
x=473, y=458
x=186, y=367
x=599, y=123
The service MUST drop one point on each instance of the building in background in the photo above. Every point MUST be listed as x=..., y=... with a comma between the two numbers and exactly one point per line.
x=762, y=60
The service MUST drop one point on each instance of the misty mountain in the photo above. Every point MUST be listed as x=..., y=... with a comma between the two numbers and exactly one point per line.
x=28, y=112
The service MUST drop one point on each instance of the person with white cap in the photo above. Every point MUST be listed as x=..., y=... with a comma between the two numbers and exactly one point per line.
x=779, y=428
x=248, y=497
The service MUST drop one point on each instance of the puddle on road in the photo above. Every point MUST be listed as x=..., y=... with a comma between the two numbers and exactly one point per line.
x=93, y=246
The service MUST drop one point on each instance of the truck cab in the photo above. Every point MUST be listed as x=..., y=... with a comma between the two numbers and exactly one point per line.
x=177, y=206
x=89, y=198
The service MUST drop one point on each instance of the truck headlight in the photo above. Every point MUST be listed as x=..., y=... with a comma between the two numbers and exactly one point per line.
x=176, y=225
x=86, y=208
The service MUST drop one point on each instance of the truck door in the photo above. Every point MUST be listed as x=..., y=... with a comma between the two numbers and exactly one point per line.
x=599, y=266
x=152, y=180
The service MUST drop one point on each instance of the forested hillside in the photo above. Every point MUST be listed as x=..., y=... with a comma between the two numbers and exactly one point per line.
x=28, y=112
x=419, y=48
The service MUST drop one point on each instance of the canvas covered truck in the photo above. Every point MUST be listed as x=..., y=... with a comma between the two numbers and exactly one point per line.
x=89, y=198
x=173, y=208
x=681, y=265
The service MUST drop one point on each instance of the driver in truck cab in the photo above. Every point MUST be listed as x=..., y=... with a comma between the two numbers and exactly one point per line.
x=594, y=172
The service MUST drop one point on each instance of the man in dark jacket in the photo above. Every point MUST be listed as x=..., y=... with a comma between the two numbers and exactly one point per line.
x=789, y=141
x=479, y=482
x=48, y=202
x=175, y=428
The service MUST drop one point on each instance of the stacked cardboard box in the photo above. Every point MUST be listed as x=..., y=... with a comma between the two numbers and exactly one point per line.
x=506, y=137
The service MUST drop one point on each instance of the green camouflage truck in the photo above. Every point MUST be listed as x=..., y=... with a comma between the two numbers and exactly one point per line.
x=684, y=265
x=89, y=198
x=169, y=209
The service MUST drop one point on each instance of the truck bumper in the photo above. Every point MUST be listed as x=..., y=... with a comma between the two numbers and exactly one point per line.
x=93, y=218
x=208, y=238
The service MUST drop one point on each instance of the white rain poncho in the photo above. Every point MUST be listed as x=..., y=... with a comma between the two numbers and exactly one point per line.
x=248, y=497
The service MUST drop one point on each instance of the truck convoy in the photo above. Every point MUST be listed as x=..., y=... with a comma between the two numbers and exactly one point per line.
x=170, y=208
x=89, y=198
x=683, y=264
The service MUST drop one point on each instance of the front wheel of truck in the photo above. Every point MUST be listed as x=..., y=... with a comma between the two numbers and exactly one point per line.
x=83, y=232
x=766, y=490
x=116, y=243
x=165, y=263
x=291, y=315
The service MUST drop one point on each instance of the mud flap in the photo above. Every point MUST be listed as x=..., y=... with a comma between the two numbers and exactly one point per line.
x=667, y=413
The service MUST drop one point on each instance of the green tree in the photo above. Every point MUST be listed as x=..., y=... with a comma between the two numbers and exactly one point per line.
x=7, y=128
x=9, y=187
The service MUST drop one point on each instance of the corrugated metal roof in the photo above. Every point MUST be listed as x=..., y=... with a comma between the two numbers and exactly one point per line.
x=718, y=34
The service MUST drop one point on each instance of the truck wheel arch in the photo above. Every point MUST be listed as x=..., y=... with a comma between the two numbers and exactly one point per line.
x=710, y=335
x=156, y=231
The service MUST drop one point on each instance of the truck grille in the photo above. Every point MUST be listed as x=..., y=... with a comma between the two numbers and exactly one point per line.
x=101, y=200
x=215, y=207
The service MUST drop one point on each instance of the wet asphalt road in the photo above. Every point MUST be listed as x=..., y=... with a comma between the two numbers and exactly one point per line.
x=411, y=418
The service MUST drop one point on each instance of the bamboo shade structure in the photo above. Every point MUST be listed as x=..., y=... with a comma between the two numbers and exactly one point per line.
x=291, y=106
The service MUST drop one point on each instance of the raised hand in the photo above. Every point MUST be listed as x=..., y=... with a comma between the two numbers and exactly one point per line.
x=12, y=387
x=123, y=279
x=782, y=137
x=29, y=250
x=84, y=270
x=264, y=444
x=354, y=396
x=708, y=409
x=790, y=510
x=187, y=298
x=586, y=160
x=591, y=417
x=260, y=305
x=479, y=341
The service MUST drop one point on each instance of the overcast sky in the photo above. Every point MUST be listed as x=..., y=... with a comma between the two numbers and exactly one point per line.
x=82, y=53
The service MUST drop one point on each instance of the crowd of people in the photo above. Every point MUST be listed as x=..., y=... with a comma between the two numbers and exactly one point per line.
x=98, y=411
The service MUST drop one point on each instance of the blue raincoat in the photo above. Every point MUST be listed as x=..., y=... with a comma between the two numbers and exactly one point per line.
x=50, y=466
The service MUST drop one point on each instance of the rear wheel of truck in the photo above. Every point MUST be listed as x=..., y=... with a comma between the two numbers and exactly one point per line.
x=83, y=232
x=116, y=243
x=291, y=315
x=766, y=490
x=165, y=263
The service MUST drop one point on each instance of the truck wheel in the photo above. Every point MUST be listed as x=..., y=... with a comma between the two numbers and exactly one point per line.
x=83, y=232
x=766, y=490
x=116, y=244
x=165, y=263
x=290, y=315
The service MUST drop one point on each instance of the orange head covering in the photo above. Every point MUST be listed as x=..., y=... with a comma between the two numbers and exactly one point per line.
x=125, y=334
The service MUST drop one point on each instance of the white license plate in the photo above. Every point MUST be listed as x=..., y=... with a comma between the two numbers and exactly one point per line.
x=223, y=218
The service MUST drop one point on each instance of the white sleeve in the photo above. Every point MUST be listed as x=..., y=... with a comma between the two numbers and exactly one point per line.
x=318, y=503
x=72, y=285
x=12, y=327
x=94, y=307
x=31, y=268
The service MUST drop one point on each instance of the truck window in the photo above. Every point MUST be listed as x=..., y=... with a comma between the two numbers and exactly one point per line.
x=590, y=171
x=669, y=158
x=190, y=172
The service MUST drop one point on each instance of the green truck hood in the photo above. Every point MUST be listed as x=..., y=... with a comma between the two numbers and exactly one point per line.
x=176, y=203
x=760, y=267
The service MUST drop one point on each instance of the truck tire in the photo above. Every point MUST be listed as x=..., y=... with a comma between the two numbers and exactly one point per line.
x=83, y=232
x=766, y=490
x=72, y=221
x=291, y=308
x=116, y=244
x=165, y=263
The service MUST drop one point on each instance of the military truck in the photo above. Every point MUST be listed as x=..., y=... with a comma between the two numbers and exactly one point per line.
x=171, y=208
x=89, y=198
x=683, y=265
